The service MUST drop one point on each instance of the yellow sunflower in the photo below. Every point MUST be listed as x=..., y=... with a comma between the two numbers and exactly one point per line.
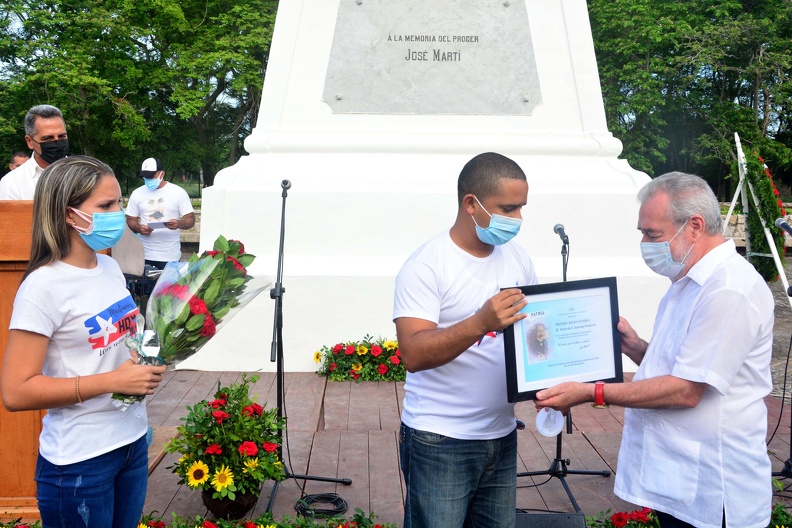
x=222, y=478
x=317, y=357
x=197, y=474
x=357, y=367
x=362, y=350
x=389, y=345
x=251, y=464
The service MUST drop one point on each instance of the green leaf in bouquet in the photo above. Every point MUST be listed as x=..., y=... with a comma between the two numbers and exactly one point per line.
x=208, y=263
x=200, y=342
x=195, y=322
x=236, y=283
x=164, y=308
x=166, y=340
x=212, y=291
x=183, y=314
x=221, y=312
x=161, y=327
x=246, y=259
x=221, y=244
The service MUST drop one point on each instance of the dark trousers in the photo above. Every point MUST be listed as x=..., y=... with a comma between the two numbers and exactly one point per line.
x=155, y=264
x=669, y=521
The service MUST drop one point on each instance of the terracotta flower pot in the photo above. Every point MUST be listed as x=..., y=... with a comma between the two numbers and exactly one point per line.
x=225, y=508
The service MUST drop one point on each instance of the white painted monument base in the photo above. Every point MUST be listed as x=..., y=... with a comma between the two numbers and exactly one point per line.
x=368, y=189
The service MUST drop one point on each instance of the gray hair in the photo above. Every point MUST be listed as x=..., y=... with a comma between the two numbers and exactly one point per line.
x=41, y=111
x=689, y=195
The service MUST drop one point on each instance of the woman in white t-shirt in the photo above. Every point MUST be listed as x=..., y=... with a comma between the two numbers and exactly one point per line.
x=66, y=353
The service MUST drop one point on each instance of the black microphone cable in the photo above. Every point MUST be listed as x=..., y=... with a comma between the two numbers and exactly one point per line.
x=305, y=506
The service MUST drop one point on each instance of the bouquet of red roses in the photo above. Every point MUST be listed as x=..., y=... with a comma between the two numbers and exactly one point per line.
x=190, y=302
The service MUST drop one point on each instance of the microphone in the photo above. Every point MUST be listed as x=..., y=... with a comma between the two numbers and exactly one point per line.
x=559, y=230
x=286, y=184
x=782, y=224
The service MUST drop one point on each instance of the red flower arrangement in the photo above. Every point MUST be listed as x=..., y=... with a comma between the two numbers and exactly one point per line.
x=643, y=518
x=356, y=520
x=364, y=360
x=229, y=445
x=769, y=208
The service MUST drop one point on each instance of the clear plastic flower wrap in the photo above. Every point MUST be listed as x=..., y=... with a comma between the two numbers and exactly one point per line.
x=190, y=303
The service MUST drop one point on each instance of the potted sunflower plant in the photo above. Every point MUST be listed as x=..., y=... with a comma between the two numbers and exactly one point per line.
x=229, y=446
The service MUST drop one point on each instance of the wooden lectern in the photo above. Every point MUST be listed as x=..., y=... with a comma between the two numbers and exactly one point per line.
x=20, y=430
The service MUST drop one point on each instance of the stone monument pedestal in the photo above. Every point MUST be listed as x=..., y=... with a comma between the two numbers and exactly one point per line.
x=369, y=187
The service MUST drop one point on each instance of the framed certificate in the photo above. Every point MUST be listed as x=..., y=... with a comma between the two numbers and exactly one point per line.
x=569, y=334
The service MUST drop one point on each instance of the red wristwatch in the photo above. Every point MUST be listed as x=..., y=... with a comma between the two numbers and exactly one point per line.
x=599, y=395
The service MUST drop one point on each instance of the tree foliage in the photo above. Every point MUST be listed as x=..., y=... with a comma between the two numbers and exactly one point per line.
x=680, y=78
x=181, y=80
x=138, y=78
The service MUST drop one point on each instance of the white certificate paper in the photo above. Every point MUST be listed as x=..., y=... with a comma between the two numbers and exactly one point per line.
x=568, y=335
x=156, y=225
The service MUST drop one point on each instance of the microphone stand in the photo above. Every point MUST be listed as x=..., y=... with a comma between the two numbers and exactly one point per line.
x=559, y=466
x=276, y=353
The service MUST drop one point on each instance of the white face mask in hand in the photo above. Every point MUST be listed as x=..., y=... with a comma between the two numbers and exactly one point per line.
x=657, y=255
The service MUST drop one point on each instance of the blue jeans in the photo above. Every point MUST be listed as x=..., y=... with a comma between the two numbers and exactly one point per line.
x=102, y=492
x=454, y=483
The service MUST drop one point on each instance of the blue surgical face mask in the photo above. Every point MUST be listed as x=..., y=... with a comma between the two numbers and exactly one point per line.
x=104, y=229
x=152, y=183
x=501, y=228
x=657, y=255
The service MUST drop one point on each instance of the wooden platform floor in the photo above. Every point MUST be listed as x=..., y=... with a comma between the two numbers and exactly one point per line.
x=350, y=430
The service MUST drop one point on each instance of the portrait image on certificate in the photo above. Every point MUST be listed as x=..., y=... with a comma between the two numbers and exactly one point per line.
x=569, y=334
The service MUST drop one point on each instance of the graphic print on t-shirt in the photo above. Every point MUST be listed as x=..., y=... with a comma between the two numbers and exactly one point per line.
x=488, y=334
x=112, y=323
x=154, y=210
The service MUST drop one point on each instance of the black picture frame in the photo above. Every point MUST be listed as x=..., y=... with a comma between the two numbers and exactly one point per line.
x=570, y=334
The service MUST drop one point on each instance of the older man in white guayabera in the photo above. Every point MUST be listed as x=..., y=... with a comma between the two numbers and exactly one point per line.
x=693, y=446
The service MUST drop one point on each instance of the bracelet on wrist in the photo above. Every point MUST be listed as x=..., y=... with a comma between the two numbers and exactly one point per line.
x=77, y=389
x=599, y=395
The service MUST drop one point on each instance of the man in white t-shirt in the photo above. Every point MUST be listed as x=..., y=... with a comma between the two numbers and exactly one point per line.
x=458, y=439
x=45, y=134
x=693, y=446
x=157, y=211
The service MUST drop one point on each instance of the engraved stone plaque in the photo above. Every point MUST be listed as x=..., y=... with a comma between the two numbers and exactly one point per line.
x=467, y=57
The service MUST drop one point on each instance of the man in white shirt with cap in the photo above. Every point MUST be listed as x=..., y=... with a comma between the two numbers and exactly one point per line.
x=157, y=211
